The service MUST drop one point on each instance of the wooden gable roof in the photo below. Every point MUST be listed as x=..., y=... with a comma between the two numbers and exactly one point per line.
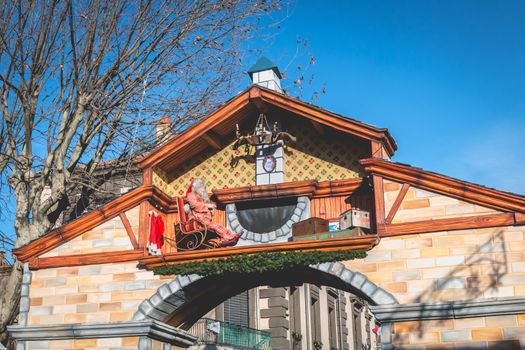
x=434, y=182
x=222, y=122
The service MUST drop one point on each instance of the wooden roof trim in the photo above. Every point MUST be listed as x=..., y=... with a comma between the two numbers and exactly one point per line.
x=86, y=259
x=349, y=243
x=309, y=188
x=448, y=224
x=330, y=119
x=91, y=220
x=198, y=130
x=259, y=96
x=466, y=191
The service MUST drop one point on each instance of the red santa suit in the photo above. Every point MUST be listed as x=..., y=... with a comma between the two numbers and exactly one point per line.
x=203, y=212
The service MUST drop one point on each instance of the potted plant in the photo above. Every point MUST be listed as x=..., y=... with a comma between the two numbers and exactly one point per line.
x=318, y=345
x=296, y=336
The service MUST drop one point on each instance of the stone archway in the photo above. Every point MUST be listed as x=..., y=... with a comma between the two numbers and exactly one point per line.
x=185, y=299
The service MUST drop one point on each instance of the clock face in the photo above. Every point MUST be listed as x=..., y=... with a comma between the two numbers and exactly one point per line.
x=269, y=163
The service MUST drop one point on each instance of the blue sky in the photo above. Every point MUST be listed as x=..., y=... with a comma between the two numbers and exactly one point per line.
x=447, y=78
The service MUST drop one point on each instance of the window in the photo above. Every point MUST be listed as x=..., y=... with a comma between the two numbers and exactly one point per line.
x=236, y=310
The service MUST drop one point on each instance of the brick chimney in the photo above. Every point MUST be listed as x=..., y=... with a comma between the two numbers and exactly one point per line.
x=266, y=74
x=162, y=129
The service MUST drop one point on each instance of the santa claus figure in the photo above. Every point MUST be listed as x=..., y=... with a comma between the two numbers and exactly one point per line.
x=202, y=209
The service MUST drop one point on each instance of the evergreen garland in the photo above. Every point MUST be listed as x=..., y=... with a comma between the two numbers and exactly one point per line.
x=258, y=262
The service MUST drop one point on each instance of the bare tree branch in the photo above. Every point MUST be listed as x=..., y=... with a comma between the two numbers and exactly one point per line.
x=73, y=77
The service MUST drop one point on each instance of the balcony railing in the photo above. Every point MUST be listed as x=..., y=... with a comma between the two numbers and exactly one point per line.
x=222, y=333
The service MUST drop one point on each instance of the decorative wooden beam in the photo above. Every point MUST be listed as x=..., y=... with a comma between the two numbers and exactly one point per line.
x=213, y=140
x=337, y=187
x=185, y=139
x=143, y=224
x=255, y=98
x=519, y=218
x=147, y=177
x=397, y=203
x=330, y=119
x=261, y=98
x=129, y=230
x=86, y=259
x=460, y=223
x=379, y=200
x=310, y=188
x=377, y=150
x=351, y=243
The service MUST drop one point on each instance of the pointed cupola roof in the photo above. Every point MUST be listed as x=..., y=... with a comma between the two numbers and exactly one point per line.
x=264, y=64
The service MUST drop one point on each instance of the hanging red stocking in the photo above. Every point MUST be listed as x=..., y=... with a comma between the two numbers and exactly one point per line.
x=156, y=233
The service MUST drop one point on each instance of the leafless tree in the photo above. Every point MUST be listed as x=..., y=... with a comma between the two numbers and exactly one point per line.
x=84, y=82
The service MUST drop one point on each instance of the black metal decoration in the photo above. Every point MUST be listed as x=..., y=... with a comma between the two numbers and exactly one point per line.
x=262, y=135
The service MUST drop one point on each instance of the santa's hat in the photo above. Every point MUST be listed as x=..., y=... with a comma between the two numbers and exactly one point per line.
x=190, y=188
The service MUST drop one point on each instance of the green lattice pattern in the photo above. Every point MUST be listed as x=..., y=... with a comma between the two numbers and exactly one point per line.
x=334, y=157
x=223, y=169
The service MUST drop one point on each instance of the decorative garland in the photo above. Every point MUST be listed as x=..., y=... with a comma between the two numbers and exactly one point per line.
x=258, y=262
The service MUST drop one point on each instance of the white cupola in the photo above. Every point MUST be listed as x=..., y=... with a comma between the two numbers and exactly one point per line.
x=266, y=74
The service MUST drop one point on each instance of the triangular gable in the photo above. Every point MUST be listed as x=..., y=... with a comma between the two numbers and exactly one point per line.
x=211, y=130
x=94, y=219
x=418, y=204
x=447, y=186
x=310, y=157
x=110, y=236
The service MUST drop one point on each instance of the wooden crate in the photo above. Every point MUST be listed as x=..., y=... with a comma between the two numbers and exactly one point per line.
x=309, y=227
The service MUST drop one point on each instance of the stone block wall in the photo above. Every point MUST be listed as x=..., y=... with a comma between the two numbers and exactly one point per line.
x=477, y=264
x=496, y=332
x=108, y=237
x=127, y=343
x=446, y=266
x=419, y=205
x=431, y=267
x=93, y=293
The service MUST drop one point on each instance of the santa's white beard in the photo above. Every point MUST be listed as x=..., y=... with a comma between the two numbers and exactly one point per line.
x=201, y=191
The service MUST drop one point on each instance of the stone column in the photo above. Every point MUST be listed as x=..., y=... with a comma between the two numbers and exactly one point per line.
x=342, y=319
x=277, y=313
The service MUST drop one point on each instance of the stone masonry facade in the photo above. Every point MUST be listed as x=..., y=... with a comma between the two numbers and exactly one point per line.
x=449, y=266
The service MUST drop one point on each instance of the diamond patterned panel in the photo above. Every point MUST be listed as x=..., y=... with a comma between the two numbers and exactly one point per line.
x=334, y=157
x=223, y=169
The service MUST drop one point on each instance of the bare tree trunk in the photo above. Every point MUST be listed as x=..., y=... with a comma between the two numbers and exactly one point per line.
x=9, y=300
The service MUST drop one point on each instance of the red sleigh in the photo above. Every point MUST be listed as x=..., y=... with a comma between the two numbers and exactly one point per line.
x=192, y=234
